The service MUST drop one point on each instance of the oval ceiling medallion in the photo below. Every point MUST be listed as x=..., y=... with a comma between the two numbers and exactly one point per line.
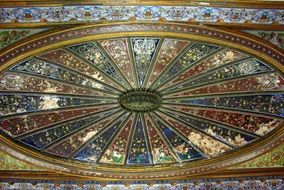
x=141, y=100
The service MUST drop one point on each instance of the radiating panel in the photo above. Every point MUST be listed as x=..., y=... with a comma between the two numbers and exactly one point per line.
x=195, y=53
x=116, y=152
x=216, y=60
x=69, y=60
x=27, y=123
x=259, y=83
x=44, y=138
x=139, y=152
x=161, y=152
x=69, y=145
x=44, y=69
x=210, y=146
x=182, y=148
x=143, y=52
x=218, y=131
x=241, y=69
x=93, y=151
x=90, y=52
x=170, y=49
x=22, y=82
x=259, y=125
x=271, y=104
x=21, y=103
x=117, y=49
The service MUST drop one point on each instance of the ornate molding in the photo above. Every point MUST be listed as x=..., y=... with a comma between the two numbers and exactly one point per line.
x=37, y=15
x=241, y=178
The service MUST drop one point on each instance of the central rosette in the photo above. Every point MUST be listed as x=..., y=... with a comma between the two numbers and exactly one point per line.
x=140, y=100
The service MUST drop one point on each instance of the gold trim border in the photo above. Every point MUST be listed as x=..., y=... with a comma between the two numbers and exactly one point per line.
x=225, y=173
x=146, y=173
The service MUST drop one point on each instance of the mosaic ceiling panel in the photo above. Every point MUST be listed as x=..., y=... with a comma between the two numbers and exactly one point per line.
x=140, y=101
x=46, y=104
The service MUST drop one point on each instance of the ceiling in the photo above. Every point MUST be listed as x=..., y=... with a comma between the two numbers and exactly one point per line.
x=122, y=91
x=141, y=97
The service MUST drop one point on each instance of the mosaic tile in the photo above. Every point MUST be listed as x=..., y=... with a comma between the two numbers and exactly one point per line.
x=241, y=69
x=93, y=151
x=182, y=148
x=169, y=50
x=116, y=152
x=90, y=52
x=195, y=53
x=227, y=135
x=143, y=52
x=27, y=123
x=139, y=152
x=64, y=58
x=159, y=149
x=118, y=50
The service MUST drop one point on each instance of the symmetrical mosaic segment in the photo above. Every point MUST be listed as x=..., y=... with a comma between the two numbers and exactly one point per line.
x=143, y=53
x=118, y=50
x=139, y=152
x=169, y=50
x=140, y=101
x=195, y=53
x=91, y=53
x=244, y=68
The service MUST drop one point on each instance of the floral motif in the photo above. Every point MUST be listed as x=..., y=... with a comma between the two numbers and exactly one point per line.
x=8, y=37
x=44, y=138
x=264, y=82
x=44, y=69
x=225, y=134
x=8, y=162
x=94, y=55
x=143, y=50
x=139, y=152
x=252, y=123
x=160, y=151
x=93, y=151
x=69, y=145
x=209, y=100
x=274, y=158
x=118, y=51
x=183, y=149
x=244, y=68
x=22, y=82
x=66, y=59
x=27, y=123
x=13, y=104
x=207, y=144
x=268, y=104
x=214, y=61
x=195, y=52
x=116, y=152
x=169, y=50
x=273, y=37
x=85, y=14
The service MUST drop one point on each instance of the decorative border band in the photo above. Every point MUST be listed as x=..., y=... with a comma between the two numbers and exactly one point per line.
x=270, y=178
x=87, y=14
